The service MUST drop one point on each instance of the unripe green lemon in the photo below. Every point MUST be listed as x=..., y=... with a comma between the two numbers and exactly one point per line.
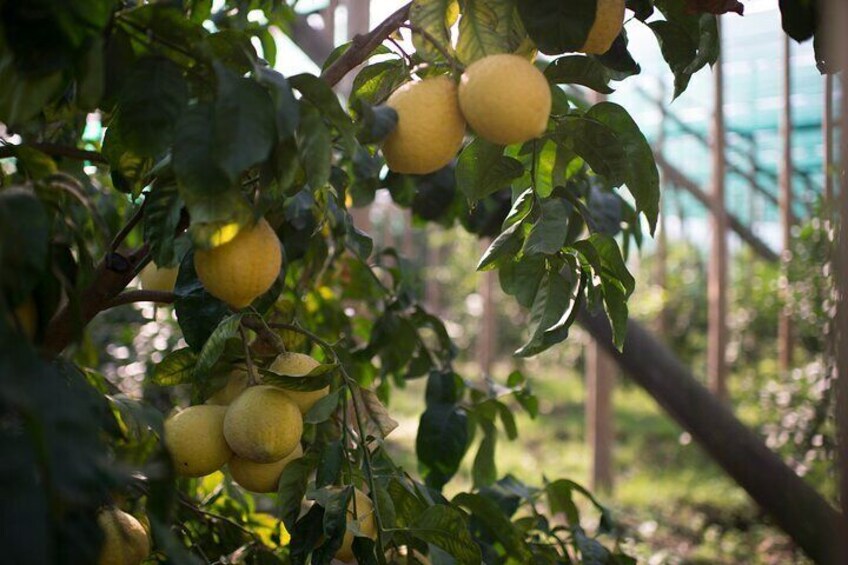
x=261, y=477
x=263, y=424
x=297, y=365
x=242, y=269
x=366, y=522
x=430, y=126
x=154, y=278
x=195, y=439
x=125, y=539
x=609, y=19
x=505, y=99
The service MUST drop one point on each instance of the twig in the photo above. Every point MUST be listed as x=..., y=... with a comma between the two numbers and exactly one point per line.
x=364, y=45
x=132, y=296
x=431, y=39
x=128, y=227
x=251, y=370
x=56, y=151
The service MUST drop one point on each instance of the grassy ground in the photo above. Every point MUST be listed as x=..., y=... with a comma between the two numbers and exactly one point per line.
x=675, y=504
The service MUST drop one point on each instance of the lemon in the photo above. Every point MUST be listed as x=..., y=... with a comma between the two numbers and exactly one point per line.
x=404, y=555
x=505, y=99
x=243, y=268
x=236, y=384
x=154, y=278
x=430, y=126
x=609, y=19
x=261, y=477
x=364, y=517
x=297, y=365
x=125, y=540
x=195, y=439
x=25, y=318
x=263, y=424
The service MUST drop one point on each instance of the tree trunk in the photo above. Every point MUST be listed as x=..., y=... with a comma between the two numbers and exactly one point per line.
x=793, y=504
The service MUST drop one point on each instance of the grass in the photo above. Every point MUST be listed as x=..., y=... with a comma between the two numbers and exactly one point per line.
x=675, y=504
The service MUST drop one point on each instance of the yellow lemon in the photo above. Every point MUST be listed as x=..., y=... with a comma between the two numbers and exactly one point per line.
x=364, y=517
x=430, y=126
x=263, y=424
x=195, y=439
x=236, y=384
x=154, y=278
x=125, y=539
x=261, y=477
x=243, y=268
x=609, y=19
x=505, y=99
x=297, y=365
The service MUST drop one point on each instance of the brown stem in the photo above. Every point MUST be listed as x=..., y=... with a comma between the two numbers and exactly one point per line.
x=363, y=45
x=132, y=296
x=128, y=227
x=56, y=151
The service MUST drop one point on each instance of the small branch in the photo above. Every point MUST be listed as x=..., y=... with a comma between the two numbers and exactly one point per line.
x=252, y=379
x=132, y=296
x=128, y=227
x=363, y=45
x=263, y=332
x=56, y=150
x=431, y=39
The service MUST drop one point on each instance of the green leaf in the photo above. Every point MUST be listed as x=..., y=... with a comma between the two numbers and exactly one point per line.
x=436, y=18
x=445, y=527
x=153, y=98
x=323, y=409
x=24, y=243
x=128, y=169
x=198, y=312
x=556, y=26
x=330, y=465
x=407, y=505
x=483, y=169
x=374, y=83
x=598, y=145
x=484, y=471
x=214, y=346
x=376, y=122
x=579, y=69
x=176, y=368
x=552, y=314
x=22, y=98
x=318, y=378
x=286, y=111
x=492, y=517
x=91, y=75
x=325, y=100
x=522, y=278
x=560, y=499
x=546, y=161
x=244, y=123
x=591, y=550
x=195, y=154
x=314, y=146
x=641, y=174
x=212, y=212
x=292, y=489
x=618, y=60
x=441, y=442
x=678, y=49
x=505, y=247
x=161, y=217
x=485, y=28
x=508, y=420
x=547, y=236
x=34, y=163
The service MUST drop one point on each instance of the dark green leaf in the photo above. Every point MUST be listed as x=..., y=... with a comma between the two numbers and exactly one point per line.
x=488, y=513
x=598, y=145
x=198, y=312
x=579, y=69
x=214, y=346
x=286, y=112
x=376, y=82
x=522, y=278
x=552, y=314
x=161, y=217
x=441, y=442
x=318, y=378
x=330, y=465
x=176, y=368
x=314, y=146
x=547, y=236
x=556, y=26
x=196, y=156
x=486, y=28
x=323, y=409
x=618, y=60
x=292, y=489
x=503, y=248
x=376, y=122
x=445, y=527
x=483, y=169
x=678, y=49
x=433, y=16
x=24, y=243
x=484, y=472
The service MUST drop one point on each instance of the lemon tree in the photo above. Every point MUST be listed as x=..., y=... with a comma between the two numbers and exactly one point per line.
x=157, y=139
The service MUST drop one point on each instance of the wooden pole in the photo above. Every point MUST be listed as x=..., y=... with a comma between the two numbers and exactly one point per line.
x=600, y=382
x=358, y=22
x=717, y=269
x=793, y=504
x=784, y=330
x=662, y=239
x=836, y=15
x=827, y=140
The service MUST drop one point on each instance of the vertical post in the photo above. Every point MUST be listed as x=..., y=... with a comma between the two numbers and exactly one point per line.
x=836, y=16
x=488, y=336
x=600, y=369
x=358, y=21
x=717, y=268
x=784, y=330
x=827, y=140
x=662, y=239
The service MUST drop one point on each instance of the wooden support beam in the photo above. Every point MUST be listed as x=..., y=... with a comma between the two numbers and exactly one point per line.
x=784, y=329
x=793, y=504
x=600, y=426
x=717, y=267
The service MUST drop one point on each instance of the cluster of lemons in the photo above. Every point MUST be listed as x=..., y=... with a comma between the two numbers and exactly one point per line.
x=504, y=98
